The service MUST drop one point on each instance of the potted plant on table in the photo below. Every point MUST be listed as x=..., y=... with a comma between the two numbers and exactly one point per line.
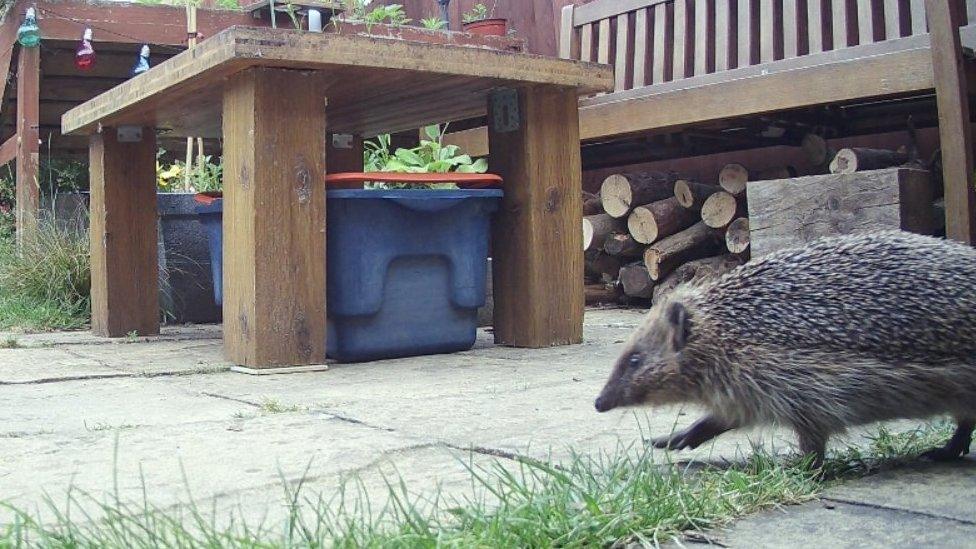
x=482, y=20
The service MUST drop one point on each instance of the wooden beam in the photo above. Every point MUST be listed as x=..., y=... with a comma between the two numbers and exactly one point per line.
x=8, y=37
x=537, y=244
x=274, y=130
x=8, y=151
x=28, y=120
x=124, y=268
x=129, y=22
x=955, y=134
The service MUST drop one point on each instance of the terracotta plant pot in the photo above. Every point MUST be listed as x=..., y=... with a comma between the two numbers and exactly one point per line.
x=487, y=27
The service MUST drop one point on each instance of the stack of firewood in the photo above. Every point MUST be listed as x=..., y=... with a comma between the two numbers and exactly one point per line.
x=648, y=232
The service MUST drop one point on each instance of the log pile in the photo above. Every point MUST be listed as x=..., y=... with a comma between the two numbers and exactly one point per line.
x=646, y=233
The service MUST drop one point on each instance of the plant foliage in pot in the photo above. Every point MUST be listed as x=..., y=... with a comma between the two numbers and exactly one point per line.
x=482, y=20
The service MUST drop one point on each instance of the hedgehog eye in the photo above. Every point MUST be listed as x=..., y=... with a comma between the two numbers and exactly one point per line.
x=635, y=360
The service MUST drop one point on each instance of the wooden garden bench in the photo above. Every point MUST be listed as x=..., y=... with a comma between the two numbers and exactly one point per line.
x=684, y=62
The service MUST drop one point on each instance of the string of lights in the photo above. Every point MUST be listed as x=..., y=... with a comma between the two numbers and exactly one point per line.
x=85, y=24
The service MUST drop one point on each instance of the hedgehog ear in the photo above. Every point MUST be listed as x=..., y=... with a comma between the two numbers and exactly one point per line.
x=680, y=325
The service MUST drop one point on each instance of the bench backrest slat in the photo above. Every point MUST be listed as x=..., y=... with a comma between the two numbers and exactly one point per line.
x=654, y=41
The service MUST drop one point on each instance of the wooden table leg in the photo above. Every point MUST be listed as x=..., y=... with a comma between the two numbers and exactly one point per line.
x=537, y=240
x=274, y=219
x=124, y=262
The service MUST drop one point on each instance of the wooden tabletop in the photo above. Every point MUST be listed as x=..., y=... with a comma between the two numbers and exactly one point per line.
x=373, y=84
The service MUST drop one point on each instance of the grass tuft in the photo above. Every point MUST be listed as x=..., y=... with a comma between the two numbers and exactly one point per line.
x=10, y=343
x=611, y=500
x=45, y=284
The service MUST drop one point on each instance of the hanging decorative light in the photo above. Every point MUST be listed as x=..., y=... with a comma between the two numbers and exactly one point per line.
x=85, y=54
x=142, y=65
x=29, y=35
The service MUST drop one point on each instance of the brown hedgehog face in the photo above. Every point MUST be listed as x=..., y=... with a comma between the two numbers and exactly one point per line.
x=648, y=372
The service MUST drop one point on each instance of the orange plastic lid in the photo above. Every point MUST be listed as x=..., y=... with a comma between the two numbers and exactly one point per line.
x=464, y=180
x=208, y=198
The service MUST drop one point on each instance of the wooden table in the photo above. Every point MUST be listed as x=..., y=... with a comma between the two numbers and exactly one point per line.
x=271, y=95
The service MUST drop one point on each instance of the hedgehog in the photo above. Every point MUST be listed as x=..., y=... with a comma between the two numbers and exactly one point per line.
x=844, y=331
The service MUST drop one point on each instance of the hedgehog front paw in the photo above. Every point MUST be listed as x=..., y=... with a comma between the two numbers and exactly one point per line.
x=674, y=441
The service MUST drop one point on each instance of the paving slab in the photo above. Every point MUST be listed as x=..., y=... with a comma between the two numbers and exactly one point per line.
x=831, y=524
x=166, y=415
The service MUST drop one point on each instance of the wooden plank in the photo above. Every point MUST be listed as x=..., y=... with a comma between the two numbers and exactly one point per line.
x=566, y=32
x=791, y=32
x=28, y=148
x=621, y=54
x=537, y=256
x=124, y=268
x=586, y=43
x=701, y=37
x=865, y=22
x=164, y=93
x=603, y=46
x=955, y=134
x=879, y=76
x=660, y=44
x=8, y=151
x=839, y=24
x=793, y=212
x=745, y=28
x=815, y=26
x=596, y=11
x=640, y=48
x=723, y=34
x=917, y=14
x=680, y=60
x=274, y=287
x=892, y=18
x=767, y=31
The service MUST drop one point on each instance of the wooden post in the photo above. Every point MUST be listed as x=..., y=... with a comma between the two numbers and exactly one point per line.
x=944, y=18
x=124, y=268
x=28, y=118
x=274, y=218
x=537, y=242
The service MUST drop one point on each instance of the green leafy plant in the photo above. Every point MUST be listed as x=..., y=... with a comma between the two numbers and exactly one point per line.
x=479, y=12
x=206, y=175
x=431, y=156
x=392, y=14
x=433, y=23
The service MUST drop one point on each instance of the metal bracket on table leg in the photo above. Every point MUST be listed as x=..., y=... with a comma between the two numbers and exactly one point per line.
x=505, y=117
x=129, y=134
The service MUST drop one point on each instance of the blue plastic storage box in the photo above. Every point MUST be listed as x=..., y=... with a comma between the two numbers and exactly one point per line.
x=211, y=217
x=406, y=269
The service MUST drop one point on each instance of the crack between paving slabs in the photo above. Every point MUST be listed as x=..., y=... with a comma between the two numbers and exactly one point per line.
x=483, y=450
x=881, y=507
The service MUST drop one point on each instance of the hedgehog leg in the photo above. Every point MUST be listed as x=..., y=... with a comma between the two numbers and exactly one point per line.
x=698, y=433
x=812, y=443
x=957, y=446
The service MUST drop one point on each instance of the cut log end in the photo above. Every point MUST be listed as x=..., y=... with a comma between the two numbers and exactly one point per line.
x=616, y=195
x=636, y=281
x=692, y=195
x=642, y=225
x=733, y=178
x=720, y=209
x=737, y=236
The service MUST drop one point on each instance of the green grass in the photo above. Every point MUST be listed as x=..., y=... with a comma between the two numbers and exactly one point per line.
x=606, y=501
x=273, y=406
x=45, y=285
